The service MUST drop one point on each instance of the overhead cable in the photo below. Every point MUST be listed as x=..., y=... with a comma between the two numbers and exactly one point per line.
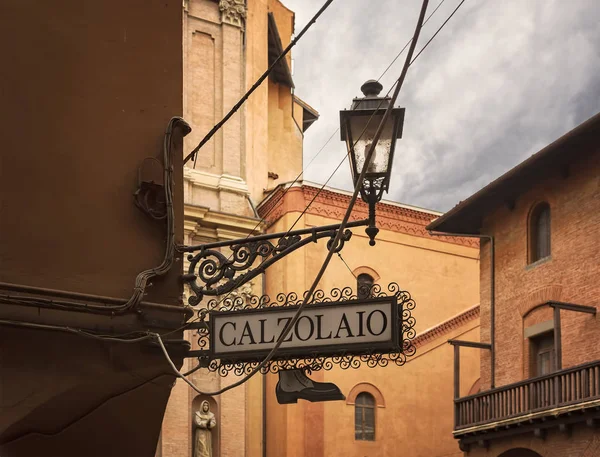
x=289, y=186
x=329, y=139
x=408, y=42
x=322, y=187
x=331, y=251
x=437, y=31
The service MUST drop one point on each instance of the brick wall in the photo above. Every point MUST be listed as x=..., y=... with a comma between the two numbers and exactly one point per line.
x=580, y=442
x=571, y=274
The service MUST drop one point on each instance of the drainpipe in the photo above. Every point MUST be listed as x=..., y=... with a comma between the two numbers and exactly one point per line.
x=492, y=294
x=253, y=206
x=264, y=376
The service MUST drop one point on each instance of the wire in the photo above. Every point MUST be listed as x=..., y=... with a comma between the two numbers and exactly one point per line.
x=384, y=72
x=326, y=182
x=408, y=42
x=338, y=129
x=117, y=339
x=360, y=136
x=389, y=90
x=240, y=102
x=312, y=200
x=349, y=269
x=282, y=195
x=255, y=86
x=333, y=134
x=438, y=31
x=336, y=241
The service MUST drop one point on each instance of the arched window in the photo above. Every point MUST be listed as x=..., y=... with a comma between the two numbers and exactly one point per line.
x=539, y=233
x=364, y=282
x=364, y=417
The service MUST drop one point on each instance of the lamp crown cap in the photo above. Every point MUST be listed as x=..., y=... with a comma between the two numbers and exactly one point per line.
x=371, y=88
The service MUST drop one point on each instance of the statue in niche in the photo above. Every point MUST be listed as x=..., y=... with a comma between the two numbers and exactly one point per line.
x=204, y=422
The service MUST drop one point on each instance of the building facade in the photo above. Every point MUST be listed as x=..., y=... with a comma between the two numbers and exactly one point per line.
x=227, y=45
x=242, y=176
x=87, y=98
x=540, y=386
x=388, y=410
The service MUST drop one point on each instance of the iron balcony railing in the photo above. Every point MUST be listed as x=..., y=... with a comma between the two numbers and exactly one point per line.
x=562, y=388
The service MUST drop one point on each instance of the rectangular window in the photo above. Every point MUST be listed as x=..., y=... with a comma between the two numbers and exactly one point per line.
x=542, y=354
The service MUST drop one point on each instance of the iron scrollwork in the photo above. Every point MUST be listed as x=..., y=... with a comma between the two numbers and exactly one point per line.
x=314, y=361
x=212, y=273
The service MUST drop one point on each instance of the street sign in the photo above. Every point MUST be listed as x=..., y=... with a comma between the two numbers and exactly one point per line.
x=335, y=329
x=351, y=327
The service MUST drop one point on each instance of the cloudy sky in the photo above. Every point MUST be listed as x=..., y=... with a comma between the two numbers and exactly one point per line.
x=501, y=80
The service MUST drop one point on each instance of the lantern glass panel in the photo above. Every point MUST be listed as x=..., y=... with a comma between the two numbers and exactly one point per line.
x=381, y=156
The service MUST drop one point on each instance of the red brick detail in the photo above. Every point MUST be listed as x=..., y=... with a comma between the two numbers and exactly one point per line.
x=365, y=270
x=330, y=204
x=540, y=296
x=365, y=387
x=446, y=327
x=580, y=442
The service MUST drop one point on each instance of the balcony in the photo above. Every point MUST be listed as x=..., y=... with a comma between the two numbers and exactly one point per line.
x=534, y=404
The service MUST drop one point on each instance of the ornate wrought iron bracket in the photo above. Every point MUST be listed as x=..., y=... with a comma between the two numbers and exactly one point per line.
x=212, y=273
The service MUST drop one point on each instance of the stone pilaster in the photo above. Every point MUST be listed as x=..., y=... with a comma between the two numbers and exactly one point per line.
x=233, y=12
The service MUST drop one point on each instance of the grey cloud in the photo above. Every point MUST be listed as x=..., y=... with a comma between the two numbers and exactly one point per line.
x=500, y=81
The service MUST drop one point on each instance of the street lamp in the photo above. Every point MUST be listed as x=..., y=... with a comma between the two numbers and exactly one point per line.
x=358, y=126
x=212, y=274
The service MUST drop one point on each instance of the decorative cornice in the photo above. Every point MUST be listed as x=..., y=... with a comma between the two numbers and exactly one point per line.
x=233, y=12
x=446, y=327
x=331, y=204
x=215, y=182
x=214, y=225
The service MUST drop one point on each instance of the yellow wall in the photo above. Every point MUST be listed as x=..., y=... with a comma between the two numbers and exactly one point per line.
x=418, y=416
x=273, y=136
x=417, y=419
x=441, y=277
x=221, y=61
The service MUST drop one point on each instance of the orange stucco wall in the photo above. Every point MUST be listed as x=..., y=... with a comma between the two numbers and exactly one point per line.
x=221, y=61
x=441, y=276
x=273, y=130
x=88, y=96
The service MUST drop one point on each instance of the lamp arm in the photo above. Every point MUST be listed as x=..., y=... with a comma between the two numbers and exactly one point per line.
x=211, y=273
